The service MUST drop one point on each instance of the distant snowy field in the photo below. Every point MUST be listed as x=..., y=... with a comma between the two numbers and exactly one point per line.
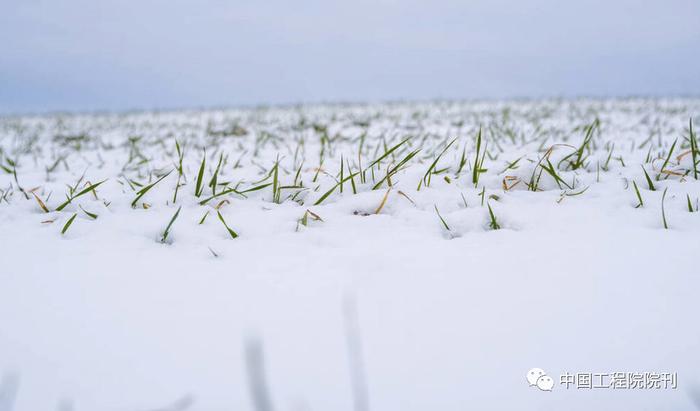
x=381, y=257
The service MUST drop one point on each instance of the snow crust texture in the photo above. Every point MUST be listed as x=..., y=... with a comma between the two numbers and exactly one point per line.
x=367, y=257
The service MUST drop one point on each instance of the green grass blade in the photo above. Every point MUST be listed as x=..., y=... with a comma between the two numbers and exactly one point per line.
x=86, y=190
x=396, y=168
x=690, y=204
x=442, y=219
x=89, y=214
x=639, y=195
x=668, y=158
x=145, y=190
x=425, y=178
x=68, y=223
x=494, y=222
x=200, y=177
x=170, y=224
x=386, y=153
x=329, y=192
x=663, y=209
x=214, y=179
x=694, y=152
x=276, y=192
x=475, y=170
x=649, y=182
x=230, y=231
x=229, y=191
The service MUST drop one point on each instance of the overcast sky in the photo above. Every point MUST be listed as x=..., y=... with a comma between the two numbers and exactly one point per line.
x=126, y=54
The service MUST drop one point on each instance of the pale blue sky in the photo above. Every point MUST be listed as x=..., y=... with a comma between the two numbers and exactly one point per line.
x=116, y=55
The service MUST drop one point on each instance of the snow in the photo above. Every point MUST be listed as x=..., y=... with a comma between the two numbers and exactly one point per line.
x=107, y=317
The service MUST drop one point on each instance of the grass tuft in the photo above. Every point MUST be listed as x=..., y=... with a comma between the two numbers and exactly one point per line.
x=89, y=188
x=142, y=192
x=426, y=177
x=395, y=169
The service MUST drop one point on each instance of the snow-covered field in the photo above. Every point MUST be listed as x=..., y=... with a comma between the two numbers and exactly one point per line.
x=381, y=257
